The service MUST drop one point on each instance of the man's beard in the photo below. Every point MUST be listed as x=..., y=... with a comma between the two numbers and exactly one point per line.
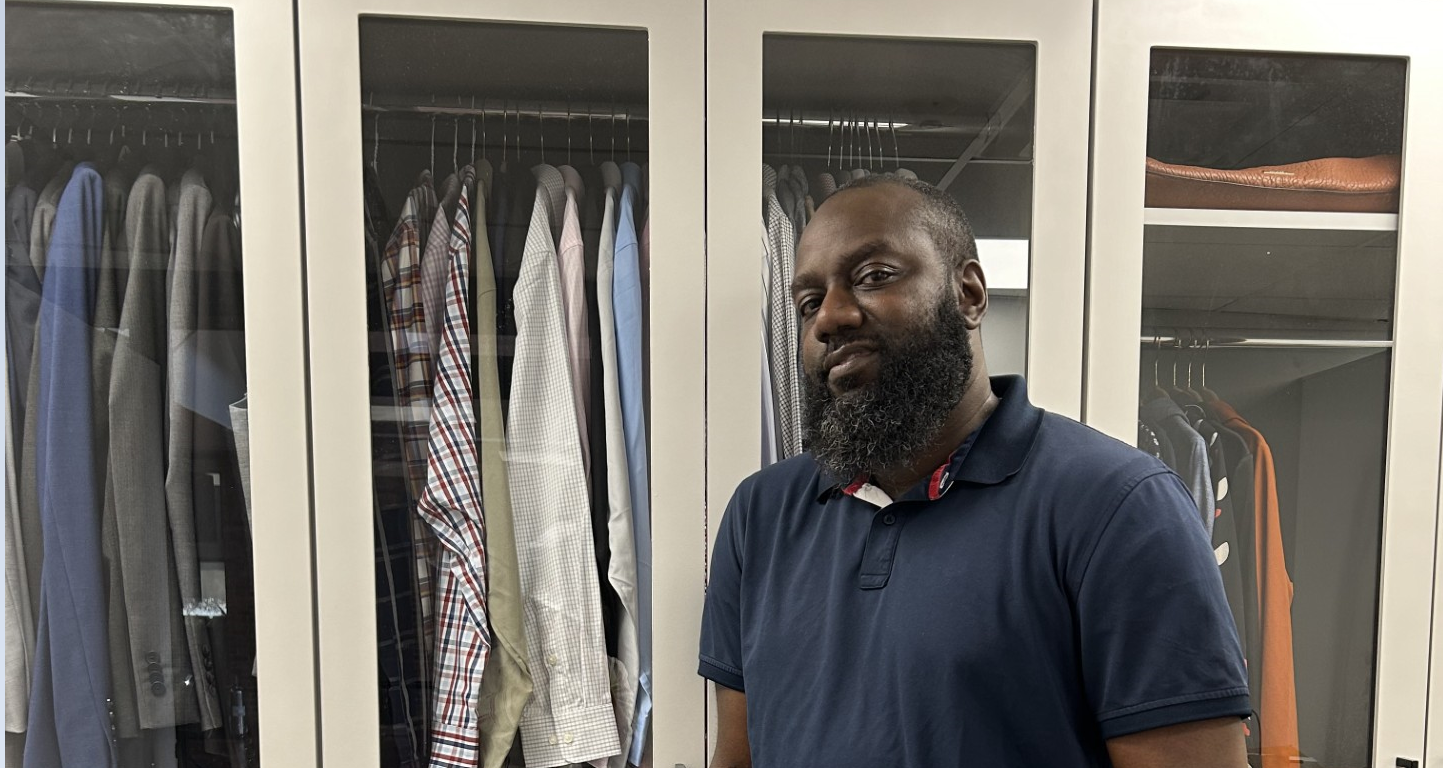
x=885, y=424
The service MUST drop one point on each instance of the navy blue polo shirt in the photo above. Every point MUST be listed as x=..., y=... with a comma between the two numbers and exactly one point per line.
x=1047, y=589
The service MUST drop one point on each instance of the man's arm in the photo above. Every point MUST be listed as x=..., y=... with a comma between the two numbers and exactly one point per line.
x=733, y=749
x=1204, y=744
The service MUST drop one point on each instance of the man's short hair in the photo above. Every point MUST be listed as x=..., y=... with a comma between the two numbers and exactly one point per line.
x=940, y=215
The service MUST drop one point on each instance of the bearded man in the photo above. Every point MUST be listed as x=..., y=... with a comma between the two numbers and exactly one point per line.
x=950, y=576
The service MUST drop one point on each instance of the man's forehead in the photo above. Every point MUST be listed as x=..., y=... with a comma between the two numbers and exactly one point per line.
x=842, y=228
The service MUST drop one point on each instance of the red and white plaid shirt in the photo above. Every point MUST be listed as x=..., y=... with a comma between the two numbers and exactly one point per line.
x=451, y=504
x=412, y=366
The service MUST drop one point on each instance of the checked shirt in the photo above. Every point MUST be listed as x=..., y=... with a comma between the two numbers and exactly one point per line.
x=451, y=503
x=411, y=350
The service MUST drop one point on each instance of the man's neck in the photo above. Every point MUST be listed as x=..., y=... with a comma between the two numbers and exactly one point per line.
x=966, y=417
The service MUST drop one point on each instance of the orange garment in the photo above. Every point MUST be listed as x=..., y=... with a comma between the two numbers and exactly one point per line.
x=1277, y=702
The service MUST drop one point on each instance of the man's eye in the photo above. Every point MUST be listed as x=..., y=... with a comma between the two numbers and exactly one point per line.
x=876, y=276
x=807, y=306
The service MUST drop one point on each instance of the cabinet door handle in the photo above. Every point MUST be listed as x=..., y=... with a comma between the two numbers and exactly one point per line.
x=1404, y=762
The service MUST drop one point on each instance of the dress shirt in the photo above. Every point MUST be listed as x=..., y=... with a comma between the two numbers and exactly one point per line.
x=506, y=686
x=771, y=441
x=411, y=350
x=435, y=261
x=195, y=203
x=69, y=721
x=570, y=717
x=782, y=328
x=405, y=703
x=571, y=261
x=452, y=505
x=622, y=570
x=626, y=298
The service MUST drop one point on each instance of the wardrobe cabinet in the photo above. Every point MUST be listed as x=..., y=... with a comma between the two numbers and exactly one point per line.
x=1221, y=211
x=400, y=88
x=197, y=388
x=1306, y=322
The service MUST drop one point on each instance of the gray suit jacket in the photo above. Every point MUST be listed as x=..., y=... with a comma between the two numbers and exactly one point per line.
x=159, y=664
x=193, y=209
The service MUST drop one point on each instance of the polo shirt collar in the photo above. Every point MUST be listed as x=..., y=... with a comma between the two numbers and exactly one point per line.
x=988, y=456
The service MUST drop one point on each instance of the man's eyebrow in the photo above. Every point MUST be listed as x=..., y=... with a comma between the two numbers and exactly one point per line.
x=804, y=280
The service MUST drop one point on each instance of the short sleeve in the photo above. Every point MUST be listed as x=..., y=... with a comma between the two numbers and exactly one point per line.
x=1157, y=638
x=721, y=629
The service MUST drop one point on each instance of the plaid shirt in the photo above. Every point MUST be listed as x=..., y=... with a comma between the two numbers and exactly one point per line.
x=401, y=282
x=451, y=504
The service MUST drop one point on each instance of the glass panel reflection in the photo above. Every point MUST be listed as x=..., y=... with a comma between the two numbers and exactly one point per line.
x=130, y=623
x=1270, y=261
x=951, y=113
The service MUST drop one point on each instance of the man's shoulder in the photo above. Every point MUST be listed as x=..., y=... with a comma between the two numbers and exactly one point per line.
x=797, y=473
x=1071, y=453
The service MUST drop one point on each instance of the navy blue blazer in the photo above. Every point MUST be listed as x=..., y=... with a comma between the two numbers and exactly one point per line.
x=69, y=721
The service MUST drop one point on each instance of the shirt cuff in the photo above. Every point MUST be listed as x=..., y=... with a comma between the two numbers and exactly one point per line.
x=1232, y=702
x=721, y=674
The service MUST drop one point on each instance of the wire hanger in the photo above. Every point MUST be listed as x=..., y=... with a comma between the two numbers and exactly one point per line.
x=456, y=145
x=590, y=136
x=568, y=133
x=829, y=144
x=627, y=119
x=896, y=156
x=540, y=130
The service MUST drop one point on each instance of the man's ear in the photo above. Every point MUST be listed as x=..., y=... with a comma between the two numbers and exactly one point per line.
x=971, y=286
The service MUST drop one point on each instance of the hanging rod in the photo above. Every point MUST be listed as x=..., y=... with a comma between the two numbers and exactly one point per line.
x=512, y=110
x=123, y=98
x=1175, y=343
x=904, y=159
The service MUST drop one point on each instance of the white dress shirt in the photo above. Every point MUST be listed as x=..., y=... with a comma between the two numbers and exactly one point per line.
x=570, y=718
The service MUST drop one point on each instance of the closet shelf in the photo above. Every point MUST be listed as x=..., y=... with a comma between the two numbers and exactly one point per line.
x=1317, y=220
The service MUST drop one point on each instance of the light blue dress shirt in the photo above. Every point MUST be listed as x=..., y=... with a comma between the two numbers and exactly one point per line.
x=626, y=293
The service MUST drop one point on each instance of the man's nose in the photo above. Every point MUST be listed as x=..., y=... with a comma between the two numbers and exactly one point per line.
x=838, y=313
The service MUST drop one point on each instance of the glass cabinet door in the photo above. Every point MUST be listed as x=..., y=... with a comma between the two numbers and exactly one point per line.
x=1262, y=265
x=157, y=528
x=507, y=377
x=987, y=104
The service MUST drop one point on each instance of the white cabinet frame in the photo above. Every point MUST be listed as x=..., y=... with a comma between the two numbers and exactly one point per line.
x=345, y=568
x=1127, y=30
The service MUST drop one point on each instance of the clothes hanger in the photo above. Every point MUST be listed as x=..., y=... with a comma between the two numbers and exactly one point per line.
x=1157, y=391
x=568, y=133
x=1208, y=395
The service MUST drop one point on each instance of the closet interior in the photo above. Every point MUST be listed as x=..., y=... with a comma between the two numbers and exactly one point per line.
x=507, y=282
x=1269, y=274
x=130, y=623
x=958, y=114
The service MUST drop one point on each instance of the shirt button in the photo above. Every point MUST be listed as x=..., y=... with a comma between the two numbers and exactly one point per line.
x=568, y=738
x=157, y=688
x=551, y=740
x=889, y=519
x=550, y=659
